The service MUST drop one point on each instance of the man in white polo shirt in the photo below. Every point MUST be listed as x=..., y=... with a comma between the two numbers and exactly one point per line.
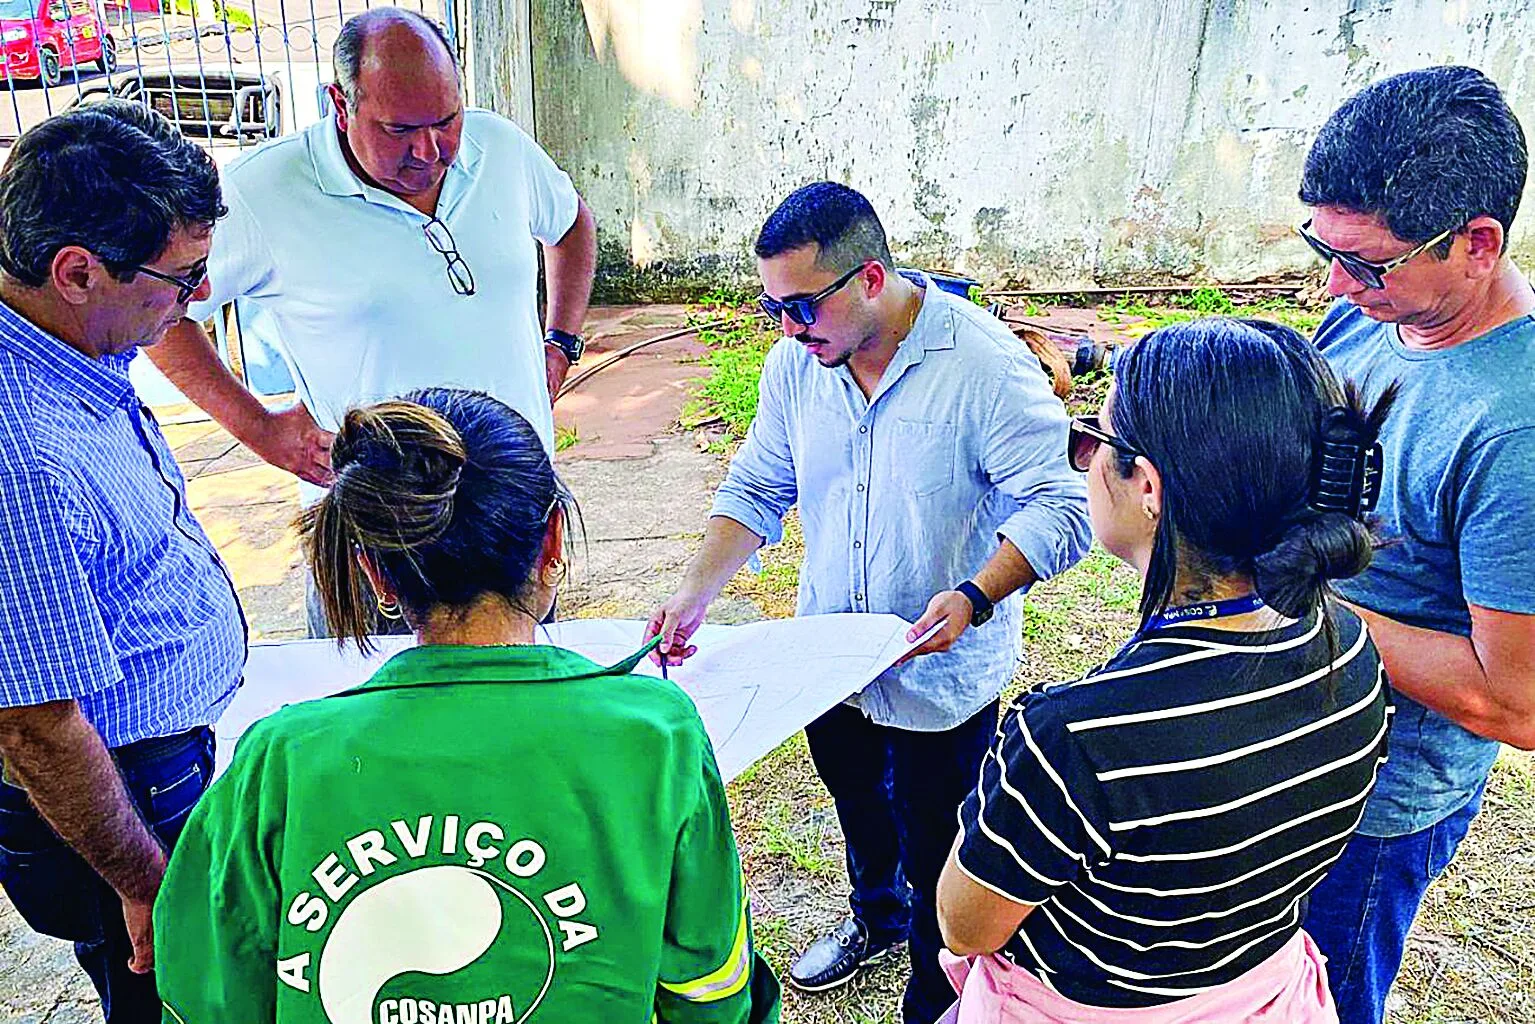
x=394, y=245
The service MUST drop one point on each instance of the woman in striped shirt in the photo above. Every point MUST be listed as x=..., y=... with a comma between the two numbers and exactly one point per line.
x=1143, y=839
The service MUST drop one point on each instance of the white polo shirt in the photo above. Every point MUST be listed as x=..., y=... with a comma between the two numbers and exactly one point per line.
x=362, y=301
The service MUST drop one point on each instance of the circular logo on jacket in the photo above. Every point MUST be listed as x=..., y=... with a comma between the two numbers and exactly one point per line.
x=409, y=948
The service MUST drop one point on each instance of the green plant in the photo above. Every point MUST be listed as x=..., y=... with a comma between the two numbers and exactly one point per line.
x=737, y=350
x=565, y=437
x=802, y=842
x=1209, y=301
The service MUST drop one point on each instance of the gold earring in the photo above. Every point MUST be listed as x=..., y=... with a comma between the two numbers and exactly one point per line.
x=390, y=610
x=555, y=569
x=1149, y=513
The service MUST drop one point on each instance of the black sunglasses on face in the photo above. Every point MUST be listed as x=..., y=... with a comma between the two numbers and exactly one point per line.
x=802, y=311
x=186, y=287
x=1367, y=272
x=1083, y=439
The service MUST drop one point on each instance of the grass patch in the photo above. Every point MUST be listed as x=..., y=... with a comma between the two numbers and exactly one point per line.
x=801, y=840
x=737, y=350
x=565, y=438
x=776, y=588
x=1139, y=318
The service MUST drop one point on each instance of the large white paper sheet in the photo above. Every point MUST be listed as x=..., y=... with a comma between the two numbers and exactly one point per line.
x=755, y=685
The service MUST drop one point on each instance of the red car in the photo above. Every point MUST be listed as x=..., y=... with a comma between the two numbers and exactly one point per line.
x=42, y=38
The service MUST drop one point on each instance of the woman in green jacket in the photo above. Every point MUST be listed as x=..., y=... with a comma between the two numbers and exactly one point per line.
x=486, y=831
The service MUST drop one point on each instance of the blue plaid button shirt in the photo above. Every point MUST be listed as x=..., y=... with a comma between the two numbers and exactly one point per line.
x=111, y=594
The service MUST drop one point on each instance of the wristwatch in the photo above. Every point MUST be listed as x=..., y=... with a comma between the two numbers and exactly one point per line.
x=570, y=344
x=979, y=602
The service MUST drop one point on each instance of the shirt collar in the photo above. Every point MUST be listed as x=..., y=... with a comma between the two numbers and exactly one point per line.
x=102, y=385
x=335, y=176
x=931, y=331
x=519, y=663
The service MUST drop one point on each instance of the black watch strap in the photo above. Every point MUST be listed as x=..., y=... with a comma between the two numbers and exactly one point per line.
x=573, y=345
x=981, y=604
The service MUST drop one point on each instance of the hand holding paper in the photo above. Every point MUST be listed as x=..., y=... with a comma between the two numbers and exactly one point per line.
x=945, y=620
x=754, y=685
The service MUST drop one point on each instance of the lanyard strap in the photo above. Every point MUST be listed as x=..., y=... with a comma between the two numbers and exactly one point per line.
x=1203, y=610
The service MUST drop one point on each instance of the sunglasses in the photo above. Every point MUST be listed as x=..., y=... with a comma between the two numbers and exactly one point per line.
x=441, y=238
x=186, y=287
x=802, y=311
x=1083, y=438
x=1367, y=272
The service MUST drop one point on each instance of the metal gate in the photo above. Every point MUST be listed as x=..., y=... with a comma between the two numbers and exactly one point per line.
x=230, y=73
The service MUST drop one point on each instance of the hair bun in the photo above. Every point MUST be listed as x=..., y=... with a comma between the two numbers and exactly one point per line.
x=1322, y=546
x=397, y=467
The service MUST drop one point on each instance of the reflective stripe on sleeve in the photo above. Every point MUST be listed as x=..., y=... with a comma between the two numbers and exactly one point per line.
x=731, y=976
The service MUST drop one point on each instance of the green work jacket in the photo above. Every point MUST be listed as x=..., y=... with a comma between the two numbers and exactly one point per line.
x=476, y=835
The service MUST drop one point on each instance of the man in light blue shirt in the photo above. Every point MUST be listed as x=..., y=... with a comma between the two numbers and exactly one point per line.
x=121, y=638
x=1413, y=185
x=926, y=452
x=395, y=245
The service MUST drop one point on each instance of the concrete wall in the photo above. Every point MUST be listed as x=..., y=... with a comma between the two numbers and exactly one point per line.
x=1037, y=142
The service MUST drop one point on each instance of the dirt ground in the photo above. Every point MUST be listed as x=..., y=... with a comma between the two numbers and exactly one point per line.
x=644, y=490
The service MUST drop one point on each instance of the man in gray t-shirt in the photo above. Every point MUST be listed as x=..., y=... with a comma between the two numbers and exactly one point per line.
x=1413, y=185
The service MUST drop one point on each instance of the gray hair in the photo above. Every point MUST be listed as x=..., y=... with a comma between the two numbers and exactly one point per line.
x=346, y=54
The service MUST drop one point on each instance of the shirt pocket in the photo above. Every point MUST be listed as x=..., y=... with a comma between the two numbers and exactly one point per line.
x=921, y=456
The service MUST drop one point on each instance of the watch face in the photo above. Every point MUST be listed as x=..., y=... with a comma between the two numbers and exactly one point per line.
x=573, y=345
x=981, y=618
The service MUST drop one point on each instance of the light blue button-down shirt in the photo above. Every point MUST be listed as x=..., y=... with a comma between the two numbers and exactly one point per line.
x=907, y=493
x=111, y=594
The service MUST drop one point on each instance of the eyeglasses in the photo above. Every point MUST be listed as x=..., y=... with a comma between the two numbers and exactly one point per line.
x=1083, y=439
x=802, y=311
x=458, y=270
x=1367, y=272
x=186, y=287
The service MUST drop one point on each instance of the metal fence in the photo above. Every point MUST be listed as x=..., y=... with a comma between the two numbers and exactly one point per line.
x=230, y=74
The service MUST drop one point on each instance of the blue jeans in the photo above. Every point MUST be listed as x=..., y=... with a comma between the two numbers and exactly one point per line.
x=898, y=794
x=58, y=894
x=1361, y=912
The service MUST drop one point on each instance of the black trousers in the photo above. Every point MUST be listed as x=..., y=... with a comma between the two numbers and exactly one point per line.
x=897, y=794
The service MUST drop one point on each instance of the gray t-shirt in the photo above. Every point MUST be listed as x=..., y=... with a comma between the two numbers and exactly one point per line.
x=1457, y=510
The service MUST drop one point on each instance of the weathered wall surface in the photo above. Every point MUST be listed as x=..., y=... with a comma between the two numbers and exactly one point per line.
x=1040, y=142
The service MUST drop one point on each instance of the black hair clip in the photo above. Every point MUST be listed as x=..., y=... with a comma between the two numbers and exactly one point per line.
x=1348, y=471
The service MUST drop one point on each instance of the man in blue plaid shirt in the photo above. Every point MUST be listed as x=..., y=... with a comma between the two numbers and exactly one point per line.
x=121, y=638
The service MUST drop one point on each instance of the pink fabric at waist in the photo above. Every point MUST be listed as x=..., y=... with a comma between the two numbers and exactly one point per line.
x=1289, y=987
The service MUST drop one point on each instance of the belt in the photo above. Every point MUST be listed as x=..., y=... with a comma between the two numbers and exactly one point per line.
x=158, y=748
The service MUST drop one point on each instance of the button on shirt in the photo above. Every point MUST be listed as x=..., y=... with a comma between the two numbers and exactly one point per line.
x=906, y=494
x=111, y=594
x=361, y=299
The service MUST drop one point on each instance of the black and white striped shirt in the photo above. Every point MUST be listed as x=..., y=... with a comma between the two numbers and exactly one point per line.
x=1168, y=812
